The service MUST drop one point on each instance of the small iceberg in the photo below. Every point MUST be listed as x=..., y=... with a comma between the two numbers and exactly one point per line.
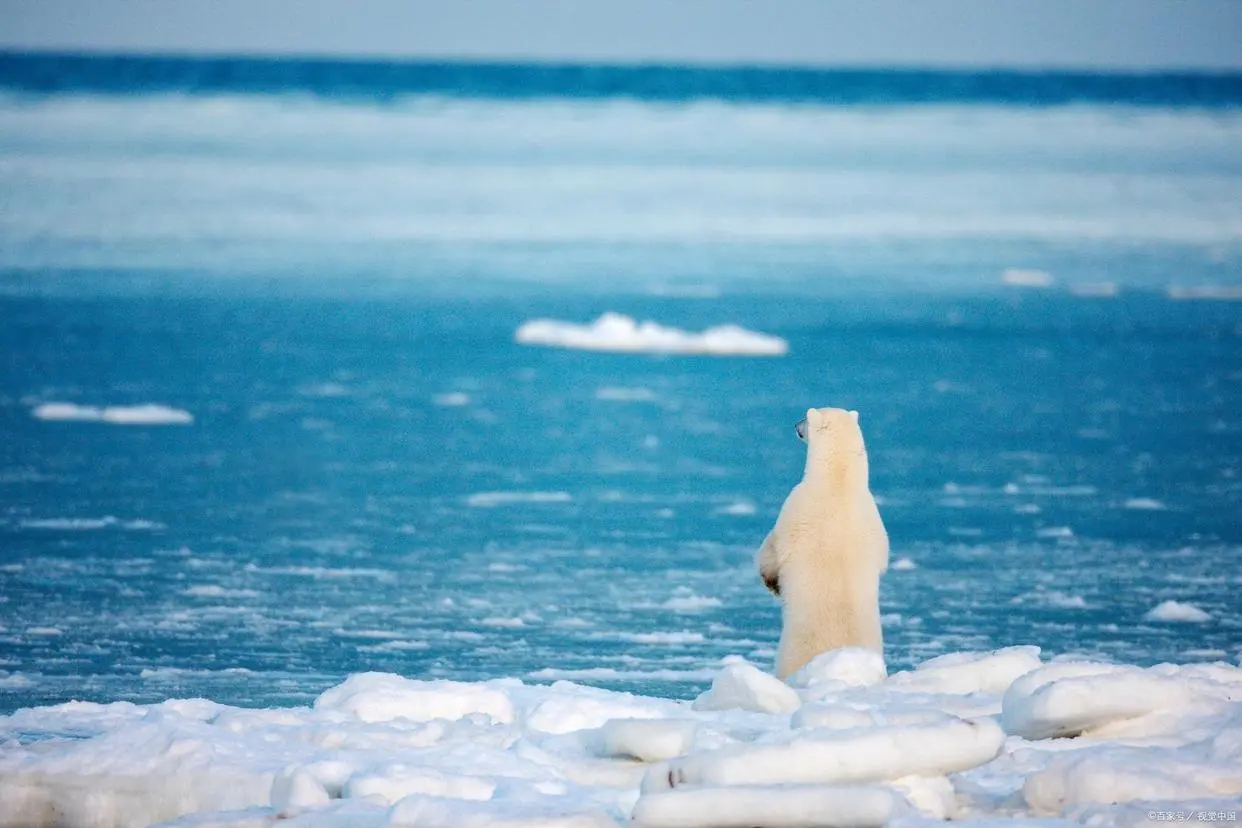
x=617, y=333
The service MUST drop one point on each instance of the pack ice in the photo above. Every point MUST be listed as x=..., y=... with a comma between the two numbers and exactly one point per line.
x=992, y=736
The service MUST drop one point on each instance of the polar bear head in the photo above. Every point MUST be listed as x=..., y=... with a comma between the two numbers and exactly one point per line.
x=834, y=441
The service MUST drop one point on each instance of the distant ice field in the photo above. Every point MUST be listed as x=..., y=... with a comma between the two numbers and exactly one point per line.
x=464, y=194
x=394, y=483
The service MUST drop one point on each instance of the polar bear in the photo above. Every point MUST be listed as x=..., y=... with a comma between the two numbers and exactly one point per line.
x=828, y=549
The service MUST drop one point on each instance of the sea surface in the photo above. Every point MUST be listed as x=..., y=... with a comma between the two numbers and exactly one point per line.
x=1027, y=285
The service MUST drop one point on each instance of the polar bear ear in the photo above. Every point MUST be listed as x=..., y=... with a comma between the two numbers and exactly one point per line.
x=854, y=414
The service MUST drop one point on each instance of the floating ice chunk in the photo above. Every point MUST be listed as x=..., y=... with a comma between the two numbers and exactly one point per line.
x=382, y=697
x=149, y=414
x=791, y=806
x=904, y=564
x=743, y=686
x=647, y=740
x=14, y=681
x=487, y=500
x=619, y=333
x=686, y=601
x=826, y=757
x=845, y=667
x=680, y=637
x=68, y=524
x=1147, y=504
x=1073, y=698
x=327, y=390
x=1026, y=277
x=67, y=412
x=451, y=399
x=146, y=415
x=45, y=632
x=217, y=591
x=988, y=672
x=394, y=782
x=614, y=393
x=1224, y=293
x=738, y=508
x=1176, y=611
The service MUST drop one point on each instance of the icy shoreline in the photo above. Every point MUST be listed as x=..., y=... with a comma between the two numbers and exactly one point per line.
x=997, y=735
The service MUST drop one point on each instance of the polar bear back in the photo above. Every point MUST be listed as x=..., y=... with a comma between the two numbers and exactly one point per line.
x=825, y=555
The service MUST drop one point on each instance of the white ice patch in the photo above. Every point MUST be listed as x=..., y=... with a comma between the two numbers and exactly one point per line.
x=647, y=740
x=150, y=414
x=1095, y=290
x=1176, y=611
x=772, y=806
x=451, y=399
x=619, y=333
x=903, y=565
x=1022, y=277
x=89, y=524
x=382, y=697
x=1221, y=293
x=987, y=672
x=1147, y=504
x=613, y=393
x=742, y=686
x=830, y=757
x=382, y=750
x=845, y=667
x=217, y=591
x=738, y=508
x=672, y=638
x=689, y=602
x=489, y=500
x=1095, y=699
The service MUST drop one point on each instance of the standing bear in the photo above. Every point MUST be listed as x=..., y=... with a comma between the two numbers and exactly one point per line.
x=828, y=549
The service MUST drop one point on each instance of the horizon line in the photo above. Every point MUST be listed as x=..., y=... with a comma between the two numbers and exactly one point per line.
x=897, y=68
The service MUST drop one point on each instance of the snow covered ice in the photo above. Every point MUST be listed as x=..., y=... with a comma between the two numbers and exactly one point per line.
x=617, y=332
x=146, y=414
x=973, y=736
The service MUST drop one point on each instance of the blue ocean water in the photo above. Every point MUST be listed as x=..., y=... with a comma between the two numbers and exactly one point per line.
x=1024, y=283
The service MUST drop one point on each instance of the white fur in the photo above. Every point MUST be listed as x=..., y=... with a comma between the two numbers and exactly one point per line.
x=828, y=549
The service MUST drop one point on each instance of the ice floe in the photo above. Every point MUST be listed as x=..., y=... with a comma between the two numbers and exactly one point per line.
x=451, y=399
x=1095, y=290
x=619, y=333
x=1224, y=293
x=488, y=500
x=984, y=737
x=1177, y=611
x=149, y=414
x=66, y=524
x=1026, y=277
